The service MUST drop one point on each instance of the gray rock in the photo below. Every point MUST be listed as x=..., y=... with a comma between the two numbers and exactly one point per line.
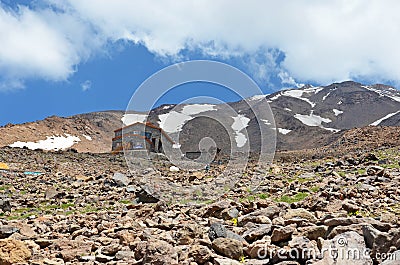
x=121, y=179
x=6, y=231
x=144, y=196
x=125, y=255
x=217, y=230
x=5, y=205
x=345, y=249
x=50, y=193
x=257, y=231
x=379, y=242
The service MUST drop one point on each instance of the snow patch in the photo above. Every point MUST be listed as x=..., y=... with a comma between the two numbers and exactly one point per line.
x=239, y=123
x=267, y=122
x=275, y=97
x=390, y=94
x=377, y=122
x=257, y=97
x=312, y=119
x=173, y=121
x=87, y=137
x=131, y=118
x=176, y=146
x=327, y=95
x=287, y=109
x=197, y=108
x=51, y=143
x=337, y=112
x=284, y=131
x=297, y=93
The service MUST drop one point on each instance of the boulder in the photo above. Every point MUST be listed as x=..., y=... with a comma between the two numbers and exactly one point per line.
x=228, y=247
x=13, y=251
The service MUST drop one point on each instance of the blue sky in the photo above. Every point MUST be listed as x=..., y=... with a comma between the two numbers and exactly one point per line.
x=70, y=56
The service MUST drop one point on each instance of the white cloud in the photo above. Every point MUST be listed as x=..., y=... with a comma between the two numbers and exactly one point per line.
x=86, y=85
x=322, y=41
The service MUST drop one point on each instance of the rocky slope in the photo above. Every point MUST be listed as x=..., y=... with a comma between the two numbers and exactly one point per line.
x=90, y=132
x=88, y=209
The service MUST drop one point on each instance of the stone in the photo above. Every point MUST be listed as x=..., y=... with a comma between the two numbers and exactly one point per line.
x=121, y=179
x=300, y=213
x=5, y=205
x=144, y=196
x=350, y=206
x=73, y=249
x=111, y=249
x=125, y=255
x=314, y=232
x=156, y=252
x=50, y=193
x=43, y=243
x=219, y=261
x=201, y=254
x=379, y=242
x=260, y=216
x=174, y=169
x=352, y=220
x=103, y=258
x=345, y=249
x=54, y=261
x=280, y=234
x=218, y=230
x=228, y=247
x=257, y=232
x=13, y=251
x=6, y=231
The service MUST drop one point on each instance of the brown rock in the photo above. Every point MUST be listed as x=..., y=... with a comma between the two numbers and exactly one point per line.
x=227, y=247
x=13, y=251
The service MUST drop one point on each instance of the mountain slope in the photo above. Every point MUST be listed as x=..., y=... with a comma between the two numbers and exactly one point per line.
x=308, y=117
x=90, y=132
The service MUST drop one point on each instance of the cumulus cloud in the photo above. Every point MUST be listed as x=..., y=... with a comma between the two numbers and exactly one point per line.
x=41, y=44
x=322, y=41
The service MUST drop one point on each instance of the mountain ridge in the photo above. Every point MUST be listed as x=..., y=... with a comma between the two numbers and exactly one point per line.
x=305, y=118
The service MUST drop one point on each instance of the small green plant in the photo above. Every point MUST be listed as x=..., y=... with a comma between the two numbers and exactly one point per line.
x=291, y=199
x=263, y=196
x=242, y=259
x=314, y=189
x=125, y=201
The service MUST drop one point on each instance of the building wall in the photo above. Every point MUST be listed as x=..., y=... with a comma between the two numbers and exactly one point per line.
x=138, y=137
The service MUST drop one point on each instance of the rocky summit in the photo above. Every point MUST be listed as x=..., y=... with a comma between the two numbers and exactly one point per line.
x=338, y=205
